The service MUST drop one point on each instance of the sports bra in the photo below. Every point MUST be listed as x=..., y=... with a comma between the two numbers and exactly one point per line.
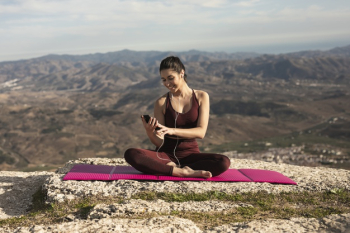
x=184, y=120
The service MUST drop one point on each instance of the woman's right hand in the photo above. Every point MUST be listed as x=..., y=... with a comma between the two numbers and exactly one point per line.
x=151, y=125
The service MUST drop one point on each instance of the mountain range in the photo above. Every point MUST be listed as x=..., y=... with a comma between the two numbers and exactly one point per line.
x=60, y=107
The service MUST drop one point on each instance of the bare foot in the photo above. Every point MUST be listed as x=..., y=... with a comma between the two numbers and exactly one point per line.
x=172, y=164
x=188, y=172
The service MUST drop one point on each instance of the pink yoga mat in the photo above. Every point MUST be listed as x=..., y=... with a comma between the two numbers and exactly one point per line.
x=104, y=172
x=258, y=175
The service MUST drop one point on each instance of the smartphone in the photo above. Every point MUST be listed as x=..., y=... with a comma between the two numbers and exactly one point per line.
x=147, y=118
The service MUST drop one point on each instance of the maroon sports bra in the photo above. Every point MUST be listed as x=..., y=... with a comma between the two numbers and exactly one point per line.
x=184, y=120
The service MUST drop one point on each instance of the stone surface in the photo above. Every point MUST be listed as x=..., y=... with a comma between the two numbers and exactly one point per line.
x=308, y=179
x=158, y=225
x=332, y=223
x=17, y=188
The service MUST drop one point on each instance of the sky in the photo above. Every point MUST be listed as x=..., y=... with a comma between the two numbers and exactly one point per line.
x=33, y=28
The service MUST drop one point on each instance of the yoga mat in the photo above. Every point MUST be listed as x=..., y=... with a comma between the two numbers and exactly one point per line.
x=104, y=172
x=258, y=175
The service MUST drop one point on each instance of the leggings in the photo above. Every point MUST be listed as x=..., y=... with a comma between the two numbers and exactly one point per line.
x=187, y=152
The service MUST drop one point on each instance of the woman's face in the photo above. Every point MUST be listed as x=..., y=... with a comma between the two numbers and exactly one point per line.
x=171, y=79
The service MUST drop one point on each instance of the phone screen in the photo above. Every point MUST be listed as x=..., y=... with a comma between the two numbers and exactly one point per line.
x=147, y=118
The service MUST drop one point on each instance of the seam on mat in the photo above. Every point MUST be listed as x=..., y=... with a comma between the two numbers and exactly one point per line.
x=111, y=173
x=245, y=175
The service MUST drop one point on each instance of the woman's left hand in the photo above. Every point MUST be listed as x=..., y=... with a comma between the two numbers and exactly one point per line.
x=165, y=130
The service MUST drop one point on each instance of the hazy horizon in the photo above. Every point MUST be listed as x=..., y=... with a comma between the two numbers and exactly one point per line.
x=261, y=50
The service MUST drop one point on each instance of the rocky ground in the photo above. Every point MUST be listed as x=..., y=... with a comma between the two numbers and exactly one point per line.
x=16, y=189
x=296, y=155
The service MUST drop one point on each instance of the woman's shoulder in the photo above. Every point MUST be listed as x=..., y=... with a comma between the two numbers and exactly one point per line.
x=201, y=95
x=161, y=100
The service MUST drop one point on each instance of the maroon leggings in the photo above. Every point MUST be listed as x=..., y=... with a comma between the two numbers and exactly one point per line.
x=187, y=152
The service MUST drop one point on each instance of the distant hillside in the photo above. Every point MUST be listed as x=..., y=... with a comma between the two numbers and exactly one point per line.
x=138, y=58
x=100, y=77
x=139, y=70
x=332, y=69
x=37, y=68
x=324, y=69
x=338, y=52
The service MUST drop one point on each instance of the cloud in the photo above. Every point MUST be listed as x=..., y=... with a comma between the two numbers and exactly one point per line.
x=66, y=25
x=247, y=3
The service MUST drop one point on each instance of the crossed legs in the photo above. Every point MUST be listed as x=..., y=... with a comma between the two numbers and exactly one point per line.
x=204, y=165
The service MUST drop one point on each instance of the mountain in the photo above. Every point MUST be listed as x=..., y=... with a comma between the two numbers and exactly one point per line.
x=337, y=52
x=100, y=77
x=61, y=107
x=71, y=74
x=37, y=68
x=331, y=69
x=140, y=58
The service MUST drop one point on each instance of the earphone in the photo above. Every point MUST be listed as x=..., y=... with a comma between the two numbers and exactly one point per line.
x=177, y=137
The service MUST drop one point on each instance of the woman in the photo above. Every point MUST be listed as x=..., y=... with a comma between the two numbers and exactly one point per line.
x=182, y=115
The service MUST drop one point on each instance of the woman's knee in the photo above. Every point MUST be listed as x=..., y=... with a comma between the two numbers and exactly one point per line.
x=223, y=161
x=226, y=162
x=131, y=154
x=222, y=165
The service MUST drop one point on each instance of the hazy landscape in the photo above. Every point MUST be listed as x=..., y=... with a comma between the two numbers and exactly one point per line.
x=61, y=107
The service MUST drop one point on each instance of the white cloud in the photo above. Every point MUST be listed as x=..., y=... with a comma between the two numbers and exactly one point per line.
x=66, y=25
x=247, y=3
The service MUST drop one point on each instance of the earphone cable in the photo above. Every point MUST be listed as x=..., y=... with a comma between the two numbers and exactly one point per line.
x=177, y=137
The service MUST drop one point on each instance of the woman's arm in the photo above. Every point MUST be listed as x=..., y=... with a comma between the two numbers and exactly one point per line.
x=202, y=123
x=155, y=137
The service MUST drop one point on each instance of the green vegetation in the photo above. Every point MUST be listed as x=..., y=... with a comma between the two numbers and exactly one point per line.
x=84, y=207
x=42, y=213
x=263, y=205
x=259, y=205
x=179, y=197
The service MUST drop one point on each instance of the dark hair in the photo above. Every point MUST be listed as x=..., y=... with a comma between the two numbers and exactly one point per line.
x=173, y=63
